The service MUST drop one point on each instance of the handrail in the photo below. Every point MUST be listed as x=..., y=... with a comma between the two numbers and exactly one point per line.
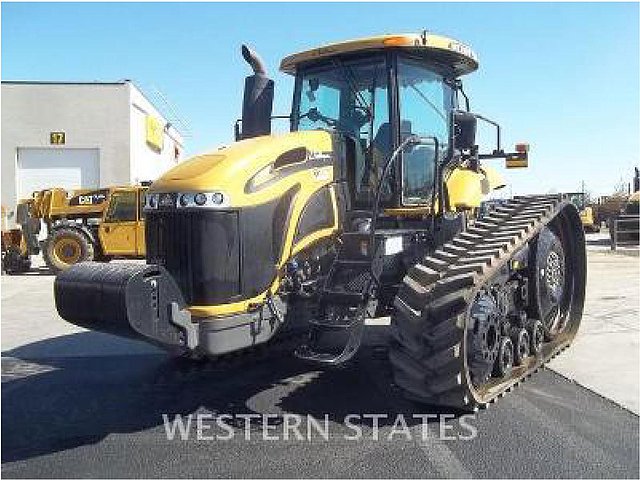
x=410, y=140
x=236, y=126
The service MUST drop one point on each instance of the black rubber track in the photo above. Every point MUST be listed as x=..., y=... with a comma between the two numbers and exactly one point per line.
x=427, y=347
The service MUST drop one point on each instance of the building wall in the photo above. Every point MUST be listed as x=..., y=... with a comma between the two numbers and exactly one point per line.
x=109, y=117
x=147, y=162
x=91, y=115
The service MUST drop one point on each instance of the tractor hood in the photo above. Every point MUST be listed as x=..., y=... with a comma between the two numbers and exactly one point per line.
x=250, y=169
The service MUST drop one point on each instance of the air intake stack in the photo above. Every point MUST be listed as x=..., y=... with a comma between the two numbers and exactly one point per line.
x=257, y=104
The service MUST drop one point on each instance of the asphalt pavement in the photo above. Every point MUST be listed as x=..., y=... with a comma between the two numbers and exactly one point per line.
x=84, y=404
x=102, y=417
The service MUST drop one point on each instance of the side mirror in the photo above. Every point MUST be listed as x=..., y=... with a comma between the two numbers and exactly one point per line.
x=464, y=130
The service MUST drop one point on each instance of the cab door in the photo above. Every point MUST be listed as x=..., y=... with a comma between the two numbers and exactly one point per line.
x=118, y=231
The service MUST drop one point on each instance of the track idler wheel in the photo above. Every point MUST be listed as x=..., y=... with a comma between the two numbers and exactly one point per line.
x=504, y=361
x=536, y=336
x=522, y=345
x=550, y=282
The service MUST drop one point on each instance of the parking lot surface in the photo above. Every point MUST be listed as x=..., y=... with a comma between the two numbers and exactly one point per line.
x=84, y=404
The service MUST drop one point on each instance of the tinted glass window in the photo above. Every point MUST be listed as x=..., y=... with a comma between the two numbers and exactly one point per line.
x=122, y=208
x=351, y=98
x=425, y=103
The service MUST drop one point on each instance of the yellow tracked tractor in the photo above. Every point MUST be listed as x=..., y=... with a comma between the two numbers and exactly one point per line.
x=82, y=225
x=367, y=207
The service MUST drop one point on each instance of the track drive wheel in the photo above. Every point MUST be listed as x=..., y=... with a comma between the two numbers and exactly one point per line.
x=66, y=247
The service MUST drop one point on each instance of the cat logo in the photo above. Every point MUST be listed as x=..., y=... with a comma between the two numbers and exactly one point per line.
x=155, y=132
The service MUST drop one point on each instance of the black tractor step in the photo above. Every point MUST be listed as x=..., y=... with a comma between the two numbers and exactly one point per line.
x=349, y=262
x=343, y=297
x=329, y=325
x=305, y=352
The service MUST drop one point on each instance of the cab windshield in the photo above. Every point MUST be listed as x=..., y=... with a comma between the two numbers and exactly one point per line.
x=352, y=97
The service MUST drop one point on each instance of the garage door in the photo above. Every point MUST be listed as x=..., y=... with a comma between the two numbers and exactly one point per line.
x=69, y=168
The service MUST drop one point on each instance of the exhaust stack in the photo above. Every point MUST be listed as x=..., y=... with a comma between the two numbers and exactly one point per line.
x=257, y=104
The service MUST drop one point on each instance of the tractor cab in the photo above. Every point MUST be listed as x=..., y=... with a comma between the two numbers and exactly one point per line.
x=377, y=93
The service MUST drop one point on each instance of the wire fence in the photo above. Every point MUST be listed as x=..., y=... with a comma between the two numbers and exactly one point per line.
x=625, y=231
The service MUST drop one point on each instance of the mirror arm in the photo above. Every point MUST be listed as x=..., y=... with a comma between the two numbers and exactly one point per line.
x=495, y=124
x=458, y=87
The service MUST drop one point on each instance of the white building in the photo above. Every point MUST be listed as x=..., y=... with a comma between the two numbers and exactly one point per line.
x=80, y=135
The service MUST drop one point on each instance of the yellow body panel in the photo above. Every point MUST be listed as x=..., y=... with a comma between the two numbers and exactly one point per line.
x=229, y=169
x=118, y=238
x=587, y=218
x=465, y=188
x=495, y=179
x=55, y=202
x=460, y=56
x=516, y=162
x=410, y=211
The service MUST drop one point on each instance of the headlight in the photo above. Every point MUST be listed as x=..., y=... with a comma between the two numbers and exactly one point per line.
x=200, y=199
x=181, y=200
x=166, y=200
x=217, y=198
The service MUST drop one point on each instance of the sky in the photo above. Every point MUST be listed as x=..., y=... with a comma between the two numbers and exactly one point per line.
x=563, y=77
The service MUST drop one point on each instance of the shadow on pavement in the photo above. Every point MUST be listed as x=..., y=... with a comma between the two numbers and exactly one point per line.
x=56, y=403
x=32, y=272
x=598, y=241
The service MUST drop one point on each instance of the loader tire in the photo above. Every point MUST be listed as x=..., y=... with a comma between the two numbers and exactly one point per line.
x=66, y=247
x=433, y=350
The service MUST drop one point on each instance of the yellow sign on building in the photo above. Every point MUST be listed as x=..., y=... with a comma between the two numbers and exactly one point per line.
x=155, y=132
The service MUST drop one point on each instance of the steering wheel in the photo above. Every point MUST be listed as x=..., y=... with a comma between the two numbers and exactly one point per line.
x=314, y=115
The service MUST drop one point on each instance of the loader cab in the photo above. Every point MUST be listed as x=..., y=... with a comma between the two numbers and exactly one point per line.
x=374, y=101
x=121, y=230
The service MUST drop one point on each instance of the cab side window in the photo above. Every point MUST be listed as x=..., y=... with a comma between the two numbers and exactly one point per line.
x=123, y=207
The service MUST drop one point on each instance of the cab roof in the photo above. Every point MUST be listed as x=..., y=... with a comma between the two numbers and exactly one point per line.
x=457, y=55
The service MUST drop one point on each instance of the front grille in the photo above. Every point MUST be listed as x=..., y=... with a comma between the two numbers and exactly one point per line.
x=201, y=250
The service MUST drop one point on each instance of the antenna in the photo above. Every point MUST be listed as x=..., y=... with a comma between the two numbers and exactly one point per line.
x=167, y=109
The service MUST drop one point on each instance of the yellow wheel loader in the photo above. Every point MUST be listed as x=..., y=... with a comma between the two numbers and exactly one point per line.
x=588, y=216
x=82, y=225
x=368, y=207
